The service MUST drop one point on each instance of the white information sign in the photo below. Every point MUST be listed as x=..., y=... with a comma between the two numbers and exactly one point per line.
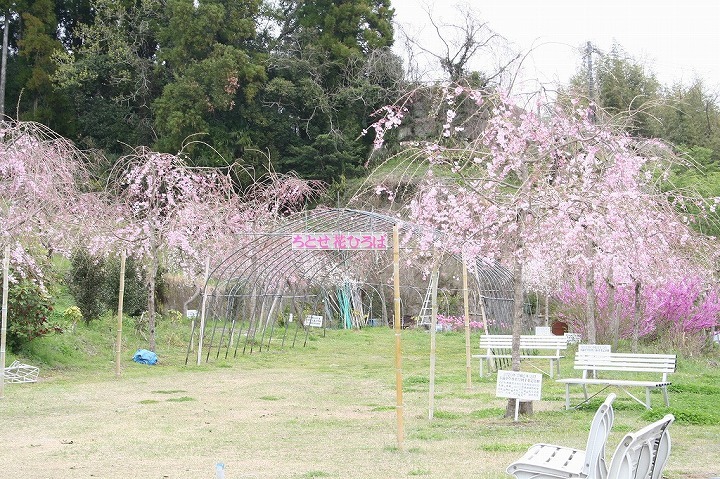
x=313, y=321
x=573, y=337
x=543, y=331
x=519, y=385
x=192, y=313
x=594, y=348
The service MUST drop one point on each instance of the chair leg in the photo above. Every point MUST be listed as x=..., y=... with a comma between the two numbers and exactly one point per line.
x=567, y=396
x=665, y=396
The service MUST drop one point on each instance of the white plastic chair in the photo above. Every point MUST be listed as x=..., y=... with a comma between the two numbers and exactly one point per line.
x=643, y=454
x=548, y=461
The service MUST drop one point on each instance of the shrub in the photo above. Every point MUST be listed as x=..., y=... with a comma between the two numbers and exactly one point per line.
x=29, y=307
x=72, y=316
x=456, y=323
x=85, y=279
x=677, y=312
x=134, y=293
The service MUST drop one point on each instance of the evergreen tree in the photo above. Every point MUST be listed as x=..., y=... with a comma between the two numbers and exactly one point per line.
x=624, y=87
x=111, y=74
x=213, y=75
x=330, y=68
x=690, y=118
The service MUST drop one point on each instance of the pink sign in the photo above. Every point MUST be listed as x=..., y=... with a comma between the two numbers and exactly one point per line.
x=340, y=241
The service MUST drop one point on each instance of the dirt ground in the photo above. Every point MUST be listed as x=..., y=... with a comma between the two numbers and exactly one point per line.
x=296, y=423
x=259, y=424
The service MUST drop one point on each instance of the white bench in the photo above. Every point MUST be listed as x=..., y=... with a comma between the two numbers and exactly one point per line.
x=499, y=346
x=636, y=369
x=551, y=461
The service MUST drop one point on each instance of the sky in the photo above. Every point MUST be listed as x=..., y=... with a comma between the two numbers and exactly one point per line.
x=677, y=40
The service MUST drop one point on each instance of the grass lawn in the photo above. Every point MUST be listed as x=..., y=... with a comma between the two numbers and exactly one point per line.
x=324, y=410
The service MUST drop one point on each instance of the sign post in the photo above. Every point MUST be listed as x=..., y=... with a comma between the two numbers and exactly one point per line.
x=466, y=302
x=520, y=386
x=121, y=292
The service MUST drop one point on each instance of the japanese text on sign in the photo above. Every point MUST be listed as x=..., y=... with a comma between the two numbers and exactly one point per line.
x=340, y=241
x=594, y=348
x=313, y=321
x=519, y=385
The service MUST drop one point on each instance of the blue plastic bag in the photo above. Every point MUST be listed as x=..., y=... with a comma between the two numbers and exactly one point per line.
x=144, y=356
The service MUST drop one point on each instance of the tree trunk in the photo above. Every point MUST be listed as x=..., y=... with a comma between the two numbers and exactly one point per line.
x=590, y=294
x=518, y=312
x=152, y=280
x=637, y=317
x=613, y=312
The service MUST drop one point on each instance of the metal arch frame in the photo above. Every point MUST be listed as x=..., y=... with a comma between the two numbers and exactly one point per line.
x=256, y=277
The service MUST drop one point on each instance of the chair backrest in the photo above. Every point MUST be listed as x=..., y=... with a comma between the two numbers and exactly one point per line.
x=643, y=454
x=595, y=466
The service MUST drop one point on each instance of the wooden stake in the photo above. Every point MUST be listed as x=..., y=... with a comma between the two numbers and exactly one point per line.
x=121, y=293
x=397, y=326
x=3, y=327
x=485, y=326
x=466, y=301
x=433, y=331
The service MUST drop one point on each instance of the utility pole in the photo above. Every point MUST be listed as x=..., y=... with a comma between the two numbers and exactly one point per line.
x=3, y=66
x=588, y=62
x=589, y=49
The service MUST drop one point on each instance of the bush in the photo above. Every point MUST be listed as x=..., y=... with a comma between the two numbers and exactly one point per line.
x=135, y=292
x=29, y=307
x=85, y=277
x=94, y=283
x=72, y=316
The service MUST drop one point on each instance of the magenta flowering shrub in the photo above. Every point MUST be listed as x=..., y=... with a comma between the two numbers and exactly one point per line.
x=456, y=323
x=687, y=306
x=673, y=309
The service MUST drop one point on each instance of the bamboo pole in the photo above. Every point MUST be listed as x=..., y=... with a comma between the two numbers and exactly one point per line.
x=466, y=301
x=201, y=333
x=3, y=328
x=433, y=345
x=397, y=326
x=121, y=294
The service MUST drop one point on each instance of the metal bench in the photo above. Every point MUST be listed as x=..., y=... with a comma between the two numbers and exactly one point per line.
x=636, y=368
x=548, y=461
x=499, y=346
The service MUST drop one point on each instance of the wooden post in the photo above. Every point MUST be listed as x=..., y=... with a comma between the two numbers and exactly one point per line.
x=121, y=293
x=397, y=326
x=201, y=333
x=491, y=366
x=466, y=301
x=483, y=314
x=433, y=330
x=3, y=328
